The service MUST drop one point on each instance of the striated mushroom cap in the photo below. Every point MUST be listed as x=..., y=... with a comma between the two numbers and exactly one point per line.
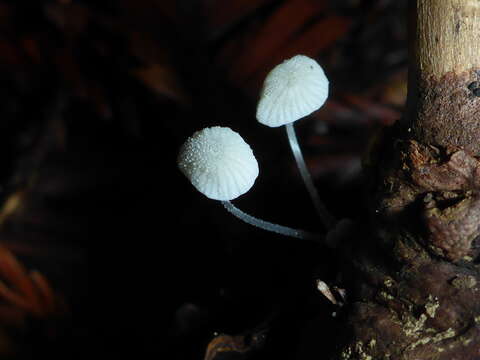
x=218, y=163
x=293, y=89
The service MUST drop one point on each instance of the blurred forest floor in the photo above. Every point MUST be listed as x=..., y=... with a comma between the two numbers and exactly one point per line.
x=97, y=97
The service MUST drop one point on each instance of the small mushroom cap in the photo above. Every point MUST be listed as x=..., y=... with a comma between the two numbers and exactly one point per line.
x=293, y=89
x=218, y=163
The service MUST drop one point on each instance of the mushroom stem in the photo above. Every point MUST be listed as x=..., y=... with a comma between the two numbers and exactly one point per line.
x=265, y=225
x=327, y=219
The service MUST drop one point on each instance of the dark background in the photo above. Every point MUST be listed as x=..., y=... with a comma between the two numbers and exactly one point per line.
x=97, y=98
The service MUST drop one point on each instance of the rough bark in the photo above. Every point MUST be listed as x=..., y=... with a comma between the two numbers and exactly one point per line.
x=416, y=280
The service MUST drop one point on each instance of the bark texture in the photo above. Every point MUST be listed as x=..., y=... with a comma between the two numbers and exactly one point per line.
x=416, y=283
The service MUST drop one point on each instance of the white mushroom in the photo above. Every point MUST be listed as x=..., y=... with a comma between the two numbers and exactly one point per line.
x=292, y=90
x=221, y=165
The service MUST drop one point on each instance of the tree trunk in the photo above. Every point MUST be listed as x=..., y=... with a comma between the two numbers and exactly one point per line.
x=416, y=279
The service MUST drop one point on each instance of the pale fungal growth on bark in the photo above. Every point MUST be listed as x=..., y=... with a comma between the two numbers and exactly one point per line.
x=292, y=90
x=222, y=166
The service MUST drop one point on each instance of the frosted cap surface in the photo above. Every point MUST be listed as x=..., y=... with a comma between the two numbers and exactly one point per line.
x=218, y=163
x=292, y=90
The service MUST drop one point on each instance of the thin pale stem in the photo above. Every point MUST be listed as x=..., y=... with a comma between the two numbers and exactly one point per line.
x=268, y=226
x=327, y=219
